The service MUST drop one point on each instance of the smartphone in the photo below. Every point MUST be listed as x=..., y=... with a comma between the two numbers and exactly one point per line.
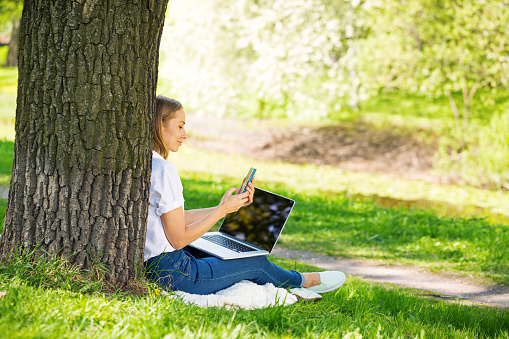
x=249, y=177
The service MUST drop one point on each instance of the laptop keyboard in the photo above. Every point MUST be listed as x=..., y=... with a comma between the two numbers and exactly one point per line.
x=228, y=243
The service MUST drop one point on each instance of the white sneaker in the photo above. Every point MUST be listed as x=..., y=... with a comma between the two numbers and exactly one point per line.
x=329, y=281
x=305, y=294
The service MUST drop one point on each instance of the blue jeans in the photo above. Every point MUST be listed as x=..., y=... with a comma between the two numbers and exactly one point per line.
x=181, y=271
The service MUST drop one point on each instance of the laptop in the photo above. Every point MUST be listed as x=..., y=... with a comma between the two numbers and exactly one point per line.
x=252, y=230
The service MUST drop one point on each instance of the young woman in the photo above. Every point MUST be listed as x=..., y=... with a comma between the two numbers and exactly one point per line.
x=170, y=228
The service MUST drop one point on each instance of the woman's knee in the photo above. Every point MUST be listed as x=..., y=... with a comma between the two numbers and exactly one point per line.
x=263, y=264
x=259, y=261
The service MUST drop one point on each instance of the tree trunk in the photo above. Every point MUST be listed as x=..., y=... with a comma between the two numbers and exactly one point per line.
x=82, y=153
x=459, y=128
x=351, y=54
x=355, y=82
x=468, y=96
x=12, y=53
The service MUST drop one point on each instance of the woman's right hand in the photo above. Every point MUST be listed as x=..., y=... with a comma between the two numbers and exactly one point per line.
x=232, y=203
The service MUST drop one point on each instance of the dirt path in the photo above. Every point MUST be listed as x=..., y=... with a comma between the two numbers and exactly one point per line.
x=350, y=146
x=439, y=285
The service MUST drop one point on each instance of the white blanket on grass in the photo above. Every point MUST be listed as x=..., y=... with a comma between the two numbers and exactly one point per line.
x=244, y=294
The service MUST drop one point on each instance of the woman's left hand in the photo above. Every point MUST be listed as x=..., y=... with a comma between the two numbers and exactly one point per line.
x=251, y=190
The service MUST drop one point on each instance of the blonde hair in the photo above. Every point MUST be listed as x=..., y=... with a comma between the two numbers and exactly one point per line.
x=165, y=110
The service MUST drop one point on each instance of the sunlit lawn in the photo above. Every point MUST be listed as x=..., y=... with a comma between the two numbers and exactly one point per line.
x=327, y=180
x=412, y=106
x=8, y=88
x=335, y=224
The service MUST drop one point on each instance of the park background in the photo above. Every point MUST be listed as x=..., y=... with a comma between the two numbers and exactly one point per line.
x=299, y=80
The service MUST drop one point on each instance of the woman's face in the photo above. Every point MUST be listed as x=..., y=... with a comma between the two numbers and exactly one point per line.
x=174, y=132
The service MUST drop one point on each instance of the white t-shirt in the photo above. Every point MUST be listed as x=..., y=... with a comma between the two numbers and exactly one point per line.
x=166, y=194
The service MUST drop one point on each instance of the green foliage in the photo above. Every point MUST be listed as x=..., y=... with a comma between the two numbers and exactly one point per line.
x=479, y=154
x=452, y=44
x=303, y=57
x=277, y=57
x=314, y=59
x=9, y=10
x=475, y=154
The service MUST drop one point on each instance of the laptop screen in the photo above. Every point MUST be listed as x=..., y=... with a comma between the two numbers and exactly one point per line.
x=261, y=222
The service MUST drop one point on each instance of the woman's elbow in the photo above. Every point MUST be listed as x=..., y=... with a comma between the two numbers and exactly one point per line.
x=177, y=245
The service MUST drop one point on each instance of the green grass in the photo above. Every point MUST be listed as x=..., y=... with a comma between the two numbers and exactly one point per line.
x=51, y=300
x=8, y=80
x=6, y=157
x=471, y=151
x=3, y=54
x=8, y=88
x=399, y=105
x=343, y=227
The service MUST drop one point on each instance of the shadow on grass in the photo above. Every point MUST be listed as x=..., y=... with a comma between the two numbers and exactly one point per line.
x=3, y=208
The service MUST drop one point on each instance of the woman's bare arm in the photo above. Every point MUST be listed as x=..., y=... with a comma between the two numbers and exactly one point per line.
x=192, y=216
x=181, y=234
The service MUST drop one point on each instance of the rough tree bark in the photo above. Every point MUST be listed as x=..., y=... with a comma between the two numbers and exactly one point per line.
x=82, y=152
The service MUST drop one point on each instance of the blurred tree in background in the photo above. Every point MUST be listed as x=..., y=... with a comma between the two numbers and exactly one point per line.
x=453, y=49
x=10, y=15
x=274, y=57
x=304, y=57
x=317, y=58
x=451, y=46
x=322, y=59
